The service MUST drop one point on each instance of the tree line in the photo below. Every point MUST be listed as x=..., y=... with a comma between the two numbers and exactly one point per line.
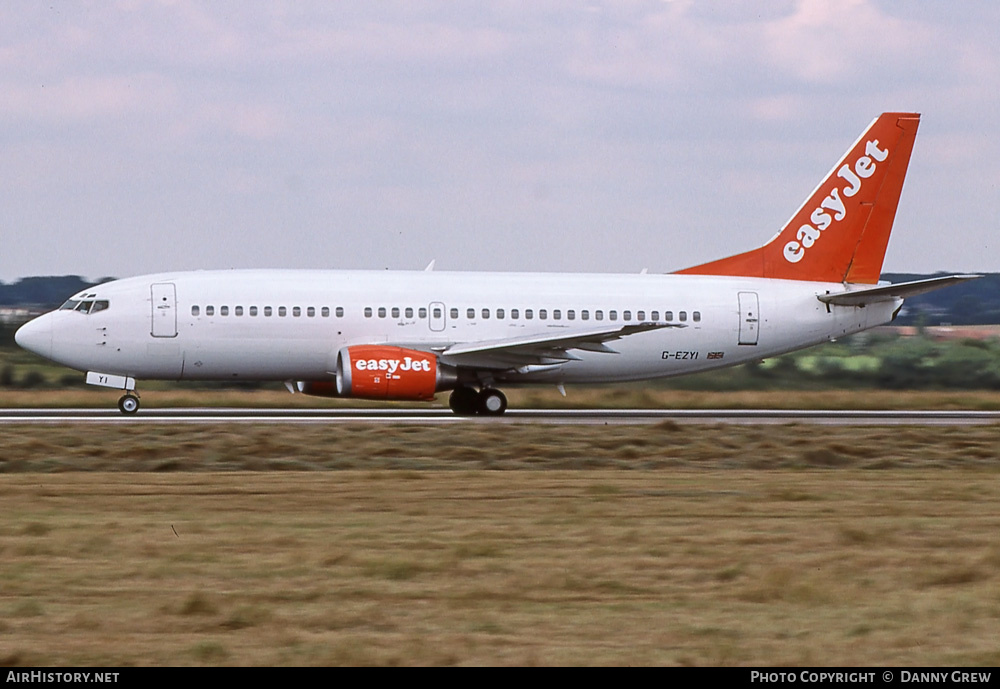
x=976, y=302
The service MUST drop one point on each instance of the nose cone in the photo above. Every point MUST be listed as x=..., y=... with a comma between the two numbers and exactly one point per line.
x=36, y=336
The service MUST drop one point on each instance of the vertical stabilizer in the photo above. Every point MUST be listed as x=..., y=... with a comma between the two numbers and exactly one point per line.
x=841, y=232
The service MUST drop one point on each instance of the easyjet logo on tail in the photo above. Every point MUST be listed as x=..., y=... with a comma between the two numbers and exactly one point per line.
x=821, y=218
x=854, y=206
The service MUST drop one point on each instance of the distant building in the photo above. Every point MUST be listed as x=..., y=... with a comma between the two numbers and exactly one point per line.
x=17, y=315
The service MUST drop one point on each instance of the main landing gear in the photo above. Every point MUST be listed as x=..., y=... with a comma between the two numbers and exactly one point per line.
x=466, y=401
x=128, y=403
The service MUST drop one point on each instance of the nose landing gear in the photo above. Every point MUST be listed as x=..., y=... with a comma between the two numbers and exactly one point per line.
x=128, y=403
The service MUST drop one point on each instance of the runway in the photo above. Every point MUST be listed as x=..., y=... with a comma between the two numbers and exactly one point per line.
x=592, y=417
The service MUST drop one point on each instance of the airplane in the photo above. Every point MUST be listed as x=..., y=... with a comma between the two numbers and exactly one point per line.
x=408, y=335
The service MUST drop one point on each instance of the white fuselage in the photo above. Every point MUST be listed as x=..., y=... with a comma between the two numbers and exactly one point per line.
x=290, y=325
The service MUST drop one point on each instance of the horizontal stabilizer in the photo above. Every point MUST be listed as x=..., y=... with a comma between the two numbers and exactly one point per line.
x=870, y=295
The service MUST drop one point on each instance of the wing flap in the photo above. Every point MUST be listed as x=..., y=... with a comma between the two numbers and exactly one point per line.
x=546, y=349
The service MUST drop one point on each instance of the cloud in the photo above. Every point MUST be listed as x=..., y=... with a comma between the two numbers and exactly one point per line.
x=80, y=98
x=824, y=42
x=468, y=131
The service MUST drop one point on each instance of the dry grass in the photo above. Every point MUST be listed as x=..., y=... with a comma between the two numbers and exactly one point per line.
x=660, y=544
x=686, y=567
x=464, y=446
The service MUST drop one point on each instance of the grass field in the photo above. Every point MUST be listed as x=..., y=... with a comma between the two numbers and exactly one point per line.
x=472, y=446
x=480, y=544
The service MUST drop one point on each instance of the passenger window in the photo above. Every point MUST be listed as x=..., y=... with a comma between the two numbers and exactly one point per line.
x=381, y=312
x=668, y=315
x=486, y=314
x=195, y=310
x=529, y=314
x=268, y=311
x=253, y=310
x=598, y=315
x=282, y=311
x=311, y=312
x=340, y=312
x=585, y=315
x=422, y=312
x=627, y=316
x=696, y=316
x=223, y=310
x=296, y=311
x=655, y=315
x=209, y=310
x=641, y=315
x=438, y=312
x=368, y=312
x=515, y=314
x=612, y=315
x=684, y=315
x=409, y=312
x=470, y=314
x=238, y=310
x=454, y=314
x=543, y=314
x=557, y=314
x=500, y=313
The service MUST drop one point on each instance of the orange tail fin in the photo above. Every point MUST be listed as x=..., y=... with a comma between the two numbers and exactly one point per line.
x=841, y=232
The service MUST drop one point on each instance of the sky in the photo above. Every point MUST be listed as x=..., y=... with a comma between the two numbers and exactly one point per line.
x=149, y=136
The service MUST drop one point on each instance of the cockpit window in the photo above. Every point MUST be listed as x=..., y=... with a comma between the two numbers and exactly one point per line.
x=85, y=306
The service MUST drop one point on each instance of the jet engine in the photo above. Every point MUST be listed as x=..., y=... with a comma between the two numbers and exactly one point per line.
x=385, y=372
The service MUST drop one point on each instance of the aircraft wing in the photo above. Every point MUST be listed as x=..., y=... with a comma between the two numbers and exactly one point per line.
x=870, y=295
x=548, y=349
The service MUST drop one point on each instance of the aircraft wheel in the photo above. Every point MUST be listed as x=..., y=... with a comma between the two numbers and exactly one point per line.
x=128, y=404
x=464, y=401
x=492, y=402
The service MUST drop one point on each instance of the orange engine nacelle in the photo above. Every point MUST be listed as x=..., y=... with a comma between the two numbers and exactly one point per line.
x=389, y=373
